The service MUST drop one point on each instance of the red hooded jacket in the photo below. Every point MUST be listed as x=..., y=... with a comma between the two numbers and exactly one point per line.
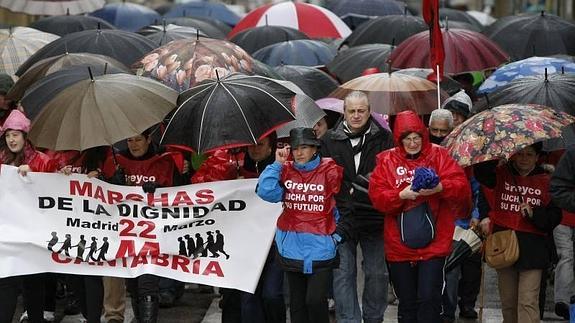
x=38, y=161
x=394, y=171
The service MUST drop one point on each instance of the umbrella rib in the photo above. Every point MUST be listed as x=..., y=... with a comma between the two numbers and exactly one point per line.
x=181, y=105
x=204, y=114
x=242, y=112
x=266, y=93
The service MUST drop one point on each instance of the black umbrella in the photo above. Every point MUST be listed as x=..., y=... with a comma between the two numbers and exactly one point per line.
x=314, y=82
x=233, y=111
x=64, y=25
x=124, y=46
x=164, y=34
x=56, y=63
x=461, y=16
x=48, y=87
x=207, y=26
x=256, y=38
x=265, y=70
x=296, y=52
x=556, y=91
x=356, y=12
x=533, y=35
x=466, y=242
x=352, y=62
x=397, y=28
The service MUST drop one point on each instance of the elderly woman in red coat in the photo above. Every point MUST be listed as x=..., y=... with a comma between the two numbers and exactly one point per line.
x=419, y=222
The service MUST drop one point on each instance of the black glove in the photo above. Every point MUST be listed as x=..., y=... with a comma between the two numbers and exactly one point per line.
x=150, y=187
x=119, y=177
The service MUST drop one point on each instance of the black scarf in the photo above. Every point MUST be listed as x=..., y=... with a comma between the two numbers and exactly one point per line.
x=436, y=140
x=362, y=134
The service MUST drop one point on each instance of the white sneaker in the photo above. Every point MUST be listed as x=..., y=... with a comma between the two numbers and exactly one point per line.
x=49, y=316
x=331, y=304
x=24, y=317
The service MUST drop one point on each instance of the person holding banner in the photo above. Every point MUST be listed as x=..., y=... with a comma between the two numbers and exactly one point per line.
x=308, y=231
x=88, y=290
x=266, y=304
x=143, y=164
x=16, y=150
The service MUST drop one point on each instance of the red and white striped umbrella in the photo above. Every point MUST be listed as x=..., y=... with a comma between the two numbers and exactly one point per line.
x=314, y=21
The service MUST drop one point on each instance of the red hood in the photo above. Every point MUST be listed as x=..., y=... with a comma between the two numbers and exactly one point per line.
x=407, y=122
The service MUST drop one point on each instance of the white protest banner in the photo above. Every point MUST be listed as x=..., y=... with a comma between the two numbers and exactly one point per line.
x=216, y=234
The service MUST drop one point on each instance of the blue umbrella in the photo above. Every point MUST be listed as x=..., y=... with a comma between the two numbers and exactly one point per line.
x=296, y=52
x=355, y=12
x=127, y=16
x=526, y=67
x=213, y=10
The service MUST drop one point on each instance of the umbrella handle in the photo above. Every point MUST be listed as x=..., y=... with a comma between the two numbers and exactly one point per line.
x=114, y=158
x=482, y=292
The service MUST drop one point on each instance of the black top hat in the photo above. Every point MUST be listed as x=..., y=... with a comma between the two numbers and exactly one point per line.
x=303, y=136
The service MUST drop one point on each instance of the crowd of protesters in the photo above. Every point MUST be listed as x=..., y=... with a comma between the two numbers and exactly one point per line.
x=371, y=203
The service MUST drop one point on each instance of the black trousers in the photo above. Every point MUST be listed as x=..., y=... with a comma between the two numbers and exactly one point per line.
x=9, y=290
x=39, y=295
x=142, y=286
x=90, y=292
x=418, y=286
x=308, y=296
x=470, y=281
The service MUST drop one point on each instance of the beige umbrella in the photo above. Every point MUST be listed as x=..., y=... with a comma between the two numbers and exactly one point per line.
x=52, y=7
x=101, y=111
x=18, y=44
x=392, y=93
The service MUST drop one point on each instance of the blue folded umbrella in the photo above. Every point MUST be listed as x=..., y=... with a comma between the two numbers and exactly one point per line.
x=424, y=178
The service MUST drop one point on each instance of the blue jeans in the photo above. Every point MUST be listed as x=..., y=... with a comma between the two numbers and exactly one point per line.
x=450, y=292
x=564, y=278
x=374, y=300
x=418, y=286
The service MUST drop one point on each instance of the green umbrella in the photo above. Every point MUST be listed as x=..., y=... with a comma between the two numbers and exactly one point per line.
x=101, y=111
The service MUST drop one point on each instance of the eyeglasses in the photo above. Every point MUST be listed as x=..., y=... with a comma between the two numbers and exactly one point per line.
x=415, y=140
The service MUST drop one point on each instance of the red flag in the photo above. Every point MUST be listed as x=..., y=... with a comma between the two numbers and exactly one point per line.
x=430, y=12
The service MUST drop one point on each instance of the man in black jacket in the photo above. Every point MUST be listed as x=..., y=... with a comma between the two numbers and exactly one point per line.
x=353, y=144
x=563, y=193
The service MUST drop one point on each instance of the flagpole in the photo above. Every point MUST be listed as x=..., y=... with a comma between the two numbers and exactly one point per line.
x=438, y=88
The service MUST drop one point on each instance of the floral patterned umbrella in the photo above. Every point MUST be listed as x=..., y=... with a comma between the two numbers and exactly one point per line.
x=181, y=64
x=500, y=132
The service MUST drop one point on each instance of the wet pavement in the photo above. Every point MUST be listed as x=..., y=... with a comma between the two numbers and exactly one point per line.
x=198, y=306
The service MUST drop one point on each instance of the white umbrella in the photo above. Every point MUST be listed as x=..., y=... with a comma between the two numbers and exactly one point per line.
x=52, y=7
x=484, y=18
x=18, y=44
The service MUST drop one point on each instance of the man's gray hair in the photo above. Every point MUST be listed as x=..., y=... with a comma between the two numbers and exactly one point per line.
x=442, y=114
x=355, y=95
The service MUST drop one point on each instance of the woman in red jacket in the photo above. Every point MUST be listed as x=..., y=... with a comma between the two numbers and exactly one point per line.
x=16, y=150
x=419, y=223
